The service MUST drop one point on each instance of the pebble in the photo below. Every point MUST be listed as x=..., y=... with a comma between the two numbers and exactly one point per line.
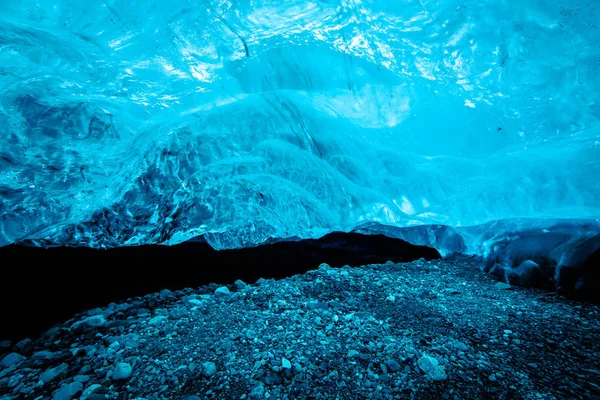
x=209, y=369
x=502, y=286
x=222, y=291
x=11, y=359
x=240, y=285
x=95, y=321
x=285, y=363
x=51, y=373
x=67, y=391
x=42, y=355
x=158, y=320
x=460, y=346
x=122, y=371
x=430, y=366
x=392, y=365
x=258, y=392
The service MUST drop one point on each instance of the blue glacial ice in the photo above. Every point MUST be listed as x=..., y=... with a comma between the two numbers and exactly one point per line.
x=155, y=122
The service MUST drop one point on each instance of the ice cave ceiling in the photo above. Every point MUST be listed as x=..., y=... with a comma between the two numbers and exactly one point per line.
x=125, y=123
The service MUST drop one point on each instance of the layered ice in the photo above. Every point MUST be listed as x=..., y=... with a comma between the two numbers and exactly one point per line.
x=247, y=121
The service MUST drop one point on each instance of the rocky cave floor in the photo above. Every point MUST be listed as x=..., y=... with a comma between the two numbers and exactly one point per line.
x=424, y=330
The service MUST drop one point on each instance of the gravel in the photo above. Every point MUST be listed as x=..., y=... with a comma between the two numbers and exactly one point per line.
x=424, y=330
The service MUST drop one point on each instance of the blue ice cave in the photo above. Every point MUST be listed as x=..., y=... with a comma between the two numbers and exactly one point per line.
x=126, y=123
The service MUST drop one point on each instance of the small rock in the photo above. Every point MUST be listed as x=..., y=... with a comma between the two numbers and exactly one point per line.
x=460, y=346
x=42, y=355
x=258, y=392
x=52, y=373
x=492, y=378
x=177, y=313
x=23, y=343
x=272, y=378
x=158, y=320
x=209, y=369
x=352, y=354
x=324, y=267
x=239, y=284
x=430, y=366
x=67, y=391
x=122, y=372
x=317, y=305
x=222, y=291
x=502, y=286
x=11, y=359
x=90, y=391
x=93, y=322
x=393, y=365
x=285, y=363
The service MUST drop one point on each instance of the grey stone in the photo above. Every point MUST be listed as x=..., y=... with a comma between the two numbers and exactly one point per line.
x=21, y=345
x=11, y=359
x=239, y=284
x=222, y=291
x=460, y=346
x=318, y=305
x=258, y=392
x=209, y=369
x=393, y=365
x=384, y=368
x=158, y=320
x=52, y=373
x=352, y=354
x=93, y=322
x=177, y=313
x=67, y=391
x=122, y=371
x=430, y=366
x=42, y=355
x=502, y=286
x=272, y=378
x=89, y=392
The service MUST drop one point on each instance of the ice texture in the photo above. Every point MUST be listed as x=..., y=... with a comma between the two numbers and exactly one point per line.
x=125, y=123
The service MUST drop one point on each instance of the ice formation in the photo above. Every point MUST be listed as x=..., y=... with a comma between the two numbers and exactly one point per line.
x=244, y=121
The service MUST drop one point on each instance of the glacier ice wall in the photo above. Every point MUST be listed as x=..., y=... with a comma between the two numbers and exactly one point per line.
x=154, y=122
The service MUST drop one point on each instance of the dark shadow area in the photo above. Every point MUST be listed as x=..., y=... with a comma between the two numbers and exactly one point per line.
x=43, y=286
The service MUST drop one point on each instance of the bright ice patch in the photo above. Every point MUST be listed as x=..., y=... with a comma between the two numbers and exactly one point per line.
x=154, y=122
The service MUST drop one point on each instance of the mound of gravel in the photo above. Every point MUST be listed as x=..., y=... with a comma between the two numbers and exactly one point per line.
x=439, y=329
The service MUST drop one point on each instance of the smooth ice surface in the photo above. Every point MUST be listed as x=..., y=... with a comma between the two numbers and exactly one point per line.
x=154, y=122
